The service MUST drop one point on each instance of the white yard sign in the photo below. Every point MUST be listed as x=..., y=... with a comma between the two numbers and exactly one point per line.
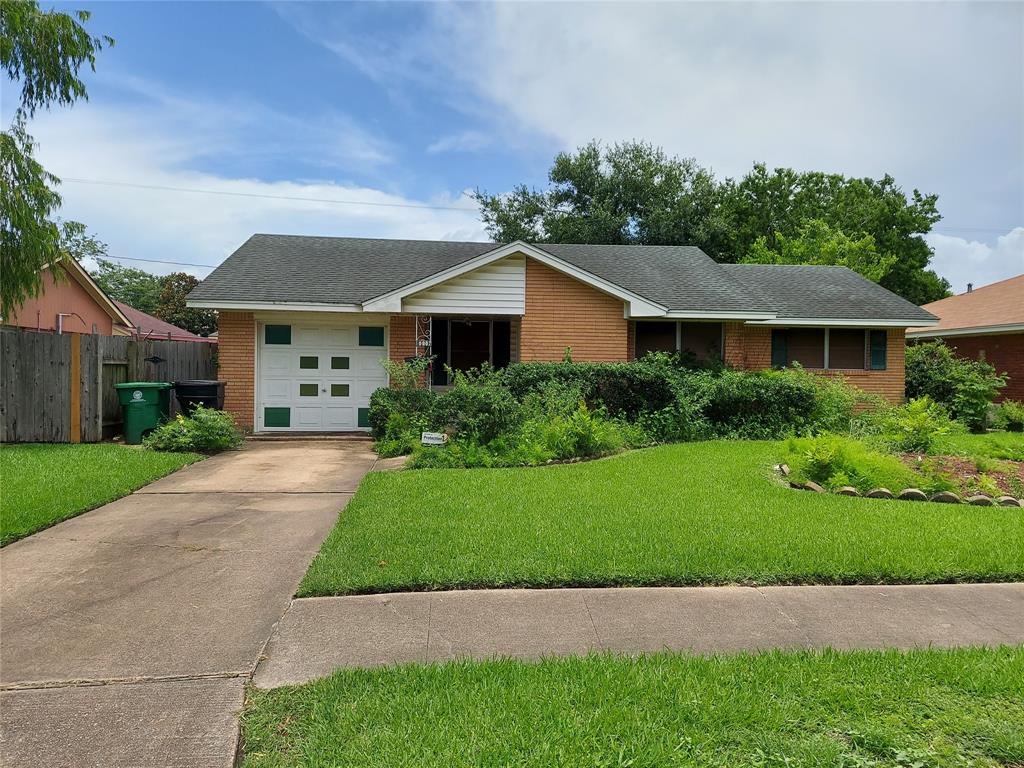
x=433, y=438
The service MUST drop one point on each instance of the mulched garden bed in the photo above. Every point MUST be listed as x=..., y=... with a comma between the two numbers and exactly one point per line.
x=966, y=475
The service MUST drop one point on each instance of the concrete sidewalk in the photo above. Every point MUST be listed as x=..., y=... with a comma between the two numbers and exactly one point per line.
x=128, y=632
x=318, y=635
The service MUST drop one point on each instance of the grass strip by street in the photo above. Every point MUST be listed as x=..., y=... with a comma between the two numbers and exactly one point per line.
x=44, y=484
x=931, y=708
x=687, y=514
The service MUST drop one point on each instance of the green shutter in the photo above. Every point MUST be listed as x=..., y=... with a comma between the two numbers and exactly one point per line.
x=339, y=363
x=780, y=350
x=879, y=347
x=371, y=336
x=339, y=390
x=277, y=417
x=309, y=361
x=364, y=417
x=277, y=334
x=308, y=390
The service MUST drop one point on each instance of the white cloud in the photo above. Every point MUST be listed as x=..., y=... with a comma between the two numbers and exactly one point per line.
x=962, y=261
x=160, y=146
x=464, y=141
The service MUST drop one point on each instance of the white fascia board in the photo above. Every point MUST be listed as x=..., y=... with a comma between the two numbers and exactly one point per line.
x=638, y=306
x=256, y=306
x=981, y=330
x=680, y=314
x=833, y=322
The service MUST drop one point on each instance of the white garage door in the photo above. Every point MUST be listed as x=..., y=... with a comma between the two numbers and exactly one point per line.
x=318, y=376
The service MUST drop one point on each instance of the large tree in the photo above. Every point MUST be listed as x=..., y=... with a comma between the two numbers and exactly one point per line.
x=635, y=193
x=43, y=51
x=132, y=286
x=171, y=307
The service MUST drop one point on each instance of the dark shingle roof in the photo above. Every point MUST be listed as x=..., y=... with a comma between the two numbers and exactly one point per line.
x=344, y=270
x=803, y=291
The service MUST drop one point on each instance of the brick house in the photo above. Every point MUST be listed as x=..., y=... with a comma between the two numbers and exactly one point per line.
x=986, y=323
x=305, y=321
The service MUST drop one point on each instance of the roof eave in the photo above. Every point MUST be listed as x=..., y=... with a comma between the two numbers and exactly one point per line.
x=844, y=322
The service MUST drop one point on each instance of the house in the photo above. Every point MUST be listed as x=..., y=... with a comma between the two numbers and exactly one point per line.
x=73, y=304
x=305, y=321
x=149, y=327
x=984, y=324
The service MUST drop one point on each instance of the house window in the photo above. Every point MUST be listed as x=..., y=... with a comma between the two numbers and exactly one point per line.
x=702, y=340
x=655, y=337
x=805, y=346
x=850, y=349
x=846, y=348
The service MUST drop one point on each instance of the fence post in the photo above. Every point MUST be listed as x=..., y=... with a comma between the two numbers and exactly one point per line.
x=75, y=384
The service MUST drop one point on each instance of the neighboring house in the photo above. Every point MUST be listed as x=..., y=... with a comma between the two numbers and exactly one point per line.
x=305, y=321
x=149, y=327
x=984, y=324
x=74, y=304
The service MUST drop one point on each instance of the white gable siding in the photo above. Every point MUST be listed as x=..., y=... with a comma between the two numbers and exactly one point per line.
x=495, y=289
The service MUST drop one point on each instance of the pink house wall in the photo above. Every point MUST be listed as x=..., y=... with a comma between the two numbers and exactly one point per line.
x=66, y=297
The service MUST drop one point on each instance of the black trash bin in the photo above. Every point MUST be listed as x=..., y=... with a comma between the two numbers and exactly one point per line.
x=205, y=392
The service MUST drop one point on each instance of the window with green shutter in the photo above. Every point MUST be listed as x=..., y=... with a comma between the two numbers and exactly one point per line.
x=371, y=336
x=277, y=334
x=879, y=350
x=277, y=417
x=780, y=349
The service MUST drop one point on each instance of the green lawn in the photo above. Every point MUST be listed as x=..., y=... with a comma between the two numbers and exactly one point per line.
x=694, y=513
x=992, y=445
x=925, y=708
x=40, y=485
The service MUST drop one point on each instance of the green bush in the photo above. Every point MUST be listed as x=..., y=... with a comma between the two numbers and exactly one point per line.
x=965, y=387
x=835, y=460
x=206, y=431
x=757, y=406
x=916, y=426
x=1011, y=415
x=410, y=406
x=476, y=406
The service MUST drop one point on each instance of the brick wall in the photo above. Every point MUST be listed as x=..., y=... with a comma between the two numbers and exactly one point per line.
x=401, y=337
x=749, y=347
x=1005, y=352
x=236, y=360
x=562, y=312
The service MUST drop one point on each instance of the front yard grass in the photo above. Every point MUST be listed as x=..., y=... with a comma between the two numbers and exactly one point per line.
x=40, y=485
x=932, y=708
x=693, y=513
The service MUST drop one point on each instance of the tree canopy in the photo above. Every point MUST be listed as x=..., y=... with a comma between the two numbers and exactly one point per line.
x=44, y=52
x=129, y=285
x=171, y=307
x=633, y=193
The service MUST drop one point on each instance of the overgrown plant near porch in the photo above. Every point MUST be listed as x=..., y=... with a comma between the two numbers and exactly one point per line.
x=533, y=413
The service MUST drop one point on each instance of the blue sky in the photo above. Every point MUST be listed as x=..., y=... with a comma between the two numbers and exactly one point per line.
x=414, y=104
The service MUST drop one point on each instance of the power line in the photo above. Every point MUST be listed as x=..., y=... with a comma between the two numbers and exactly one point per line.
x=226, y=193
x=156, y=261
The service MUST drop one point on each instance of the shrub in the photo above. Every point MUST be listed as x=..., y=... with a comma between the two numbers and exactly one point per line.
x=965, y=387
x=477, y=406
x=834, y=461
x=407, y=374
x=758, y=406
x=916, y=426
x=1011, y=415
x=391, y=409
x=207, y=430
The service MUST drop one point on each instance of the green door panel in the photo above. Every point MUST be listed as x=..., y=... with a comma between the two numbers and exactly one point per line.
x=277, y=417
x=371, y=336
x=364, y=417
x=277, y=334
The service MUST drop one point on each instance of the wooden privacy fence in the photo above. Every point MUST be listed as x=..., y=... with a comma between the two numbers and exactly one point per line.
x=60, y=388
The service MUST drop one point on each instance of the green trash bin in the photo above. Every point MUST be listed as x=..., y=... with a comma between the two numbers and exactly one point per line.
x=144, y=405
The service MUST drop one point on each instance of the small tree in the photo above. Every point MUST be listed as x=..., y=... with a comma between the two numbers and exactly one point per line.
x=965, y=387
x=171, y=307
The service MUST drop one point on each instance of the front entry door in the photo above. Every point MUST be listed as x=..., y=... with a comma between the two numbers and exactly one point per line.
x=470, y=344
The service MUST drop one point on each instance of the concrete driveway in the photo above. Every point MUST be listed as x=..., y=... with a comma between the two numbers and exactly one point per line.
x=128, y=632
